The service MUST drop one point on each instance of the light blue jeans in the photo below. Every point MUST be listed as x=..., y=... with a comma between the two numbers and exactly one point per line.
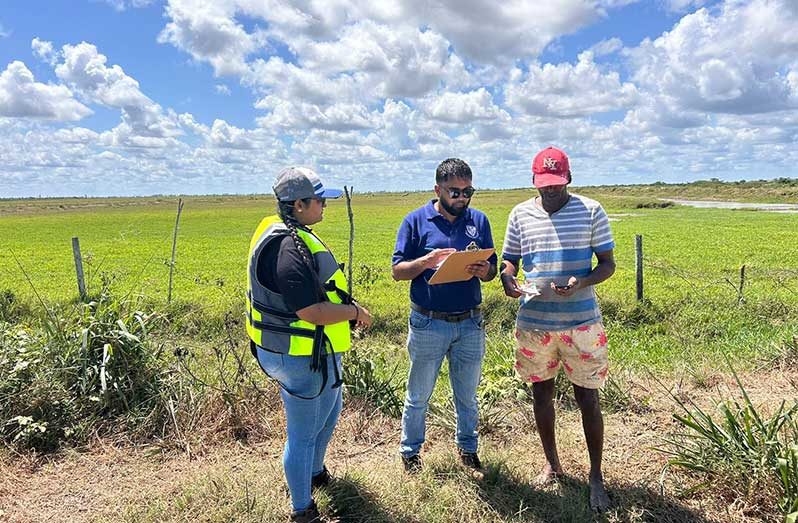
x=309, y=423
x=428, y=342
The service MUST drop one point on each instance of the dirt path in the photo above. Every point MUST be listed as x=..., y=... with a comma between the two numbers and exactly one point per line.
x=108, y=483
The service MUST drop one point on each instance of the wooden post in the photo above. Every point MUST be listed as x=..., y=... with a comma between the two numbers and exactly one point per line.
x=639, y=265
x=174, y=248
x=740, y=295
x=348, y=193
x=79, y=268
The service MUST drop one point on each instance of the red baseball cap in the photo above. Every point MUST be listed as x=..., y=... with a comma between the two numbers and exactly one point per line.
x=550, y=167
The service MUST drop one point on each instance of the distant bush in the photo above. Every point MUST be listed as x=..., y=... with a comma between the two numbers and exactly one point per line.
x=654, y=204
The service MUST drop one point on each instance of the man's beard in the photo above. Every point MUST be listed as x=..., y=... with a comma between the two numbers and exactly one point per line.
x=454, y=211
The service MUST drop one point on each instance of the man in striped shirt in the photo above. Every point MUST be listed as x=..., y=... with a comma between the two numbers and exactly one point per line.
x=555, y=236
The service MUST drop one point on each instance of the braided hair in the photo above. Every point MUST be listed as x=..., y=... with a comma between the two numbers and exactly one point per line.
x=286, y=212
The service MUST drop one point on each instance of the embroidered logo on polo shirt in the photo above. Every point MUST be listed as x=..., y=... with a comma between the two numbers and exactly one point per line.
x=471, y=231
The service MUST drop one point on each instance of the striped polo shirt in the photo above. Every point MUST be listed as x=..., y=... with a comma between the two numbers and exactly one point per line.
x=554, y=248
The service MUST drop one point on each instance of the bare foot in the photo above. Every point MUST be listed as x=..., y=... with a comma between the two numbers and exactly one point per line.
x=599, y=500
x=548, y=475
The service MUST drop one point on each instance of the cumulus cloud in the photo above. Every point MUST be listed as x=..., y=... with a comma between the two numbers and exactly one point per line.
x=464, y=107
x=121, y=5
x=209, y=32
x=681, y=6
x=606, y=47
x=44, y=51
x=222, y=134
x=292, y=82
x=292, y=116
x=568, y=90
x=21, y=96
x=401, y=61
x=144, y=123
x=222, y=89
x=739, y=60
x=76, y=135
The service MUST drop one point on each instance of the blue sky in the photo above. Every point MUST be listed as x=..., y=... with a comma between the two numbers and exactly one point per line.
x=136, y=97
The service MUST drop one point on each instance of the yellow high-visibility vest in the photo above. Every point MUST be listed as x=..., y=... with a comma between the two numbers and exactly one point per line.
x=270, y=324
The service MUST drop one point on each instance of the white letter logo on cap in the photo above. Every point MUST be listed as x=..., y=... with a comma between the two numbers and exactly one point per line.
x=550, y=164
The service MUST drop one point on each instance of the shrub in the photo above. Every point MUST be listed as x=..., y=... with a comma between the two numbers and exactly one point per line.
x=745, y=447
x=79, y=365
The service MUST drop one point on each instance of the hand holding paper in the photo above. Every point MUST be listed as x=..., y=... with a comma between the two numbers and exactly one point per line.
x=434, y=258
x=456, y=266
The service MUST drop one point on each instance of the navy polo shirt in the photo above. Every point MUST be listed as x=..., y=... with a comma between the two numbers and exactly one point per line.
x=424, y=230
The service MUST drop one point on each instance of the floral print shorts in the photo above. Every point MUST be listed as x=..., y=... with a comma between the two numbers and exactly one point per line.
x=582, y=352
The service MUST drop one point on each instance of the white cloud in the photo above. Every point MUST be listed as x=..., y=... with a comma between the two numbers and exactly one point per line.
x=400, y=61
x=681, y=6
x=4, y=33
x=44, y=51
x=297, y=116
x=22, y=97
x=740, y=60
x=76, y=135
x=209, y=32
x=464, y=107
x=222, y=89
x=223, y=134
x=292, y=82
x=567, y=90
x=121, y=5
x=503, y=32
x=144, y=123
x=607, y=46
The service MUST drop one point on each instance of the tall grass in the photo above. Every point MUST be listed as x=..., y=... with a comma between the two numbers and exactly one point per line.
x=75, y=368
x=744, y=449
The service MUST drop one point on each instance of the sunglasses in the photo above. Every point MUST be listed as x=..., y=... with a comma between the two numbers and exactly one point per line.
x=455, y=192
x=319, y=199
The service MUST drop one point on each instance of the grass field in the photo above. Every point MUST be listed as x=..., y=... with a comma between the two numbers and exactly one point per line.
x=692, y=262
x=676, y=340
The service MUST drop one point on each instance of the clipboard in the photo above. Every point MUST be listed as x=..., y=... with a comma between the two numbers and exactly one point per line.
x=454, y=266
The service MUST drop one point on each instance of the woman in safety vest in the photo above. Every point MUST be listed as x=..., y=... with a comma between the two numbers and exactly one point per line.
x=298, y=320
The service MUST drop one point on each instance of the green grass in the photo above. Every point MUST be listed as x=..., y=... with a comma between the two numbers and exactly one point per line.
x=692, y=262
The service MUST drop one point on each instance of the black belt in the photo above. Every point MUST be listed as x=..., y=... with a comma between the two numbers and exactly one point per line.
x=451, y=317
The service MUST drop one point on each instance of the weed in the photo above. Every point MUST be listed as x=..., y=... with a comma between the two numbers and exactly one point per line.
x=743, y=449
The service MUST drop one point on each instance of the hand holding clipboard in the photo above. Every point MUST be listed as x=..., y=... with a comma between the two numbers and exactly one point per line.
x=455, y=266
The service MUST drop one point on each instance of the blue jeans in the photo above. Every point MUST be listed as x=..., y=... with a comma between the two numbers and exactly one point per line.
x=428, y=342
x=309, y=422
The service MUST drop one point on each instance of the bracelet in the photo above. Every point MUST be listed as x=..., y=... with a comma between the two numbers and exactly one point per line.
x=357, y=312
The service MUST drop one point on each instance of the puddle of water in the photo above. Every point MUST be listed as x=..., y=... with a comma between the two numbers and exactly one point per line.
x=709, y=204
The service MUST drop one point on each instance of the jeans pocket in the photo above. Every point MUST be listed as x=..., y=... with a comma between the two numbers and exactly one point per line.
x=272, y=363
x=418, y=321
x=478, y=321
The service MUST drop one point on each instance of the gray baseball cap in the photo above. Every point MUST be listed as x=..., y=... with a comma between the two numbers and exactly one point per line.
x=298, y=183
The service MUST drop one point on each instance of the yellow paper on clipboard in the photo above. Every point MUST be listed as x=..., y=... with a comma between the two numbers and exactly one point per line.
x=454, y=266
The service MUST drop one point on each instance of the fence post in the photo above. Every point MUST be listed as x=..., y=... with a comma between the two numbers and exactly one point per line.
x=79, y=267
x=639, y=265
x=348, y=193
x=174, y=248
x=740, y=295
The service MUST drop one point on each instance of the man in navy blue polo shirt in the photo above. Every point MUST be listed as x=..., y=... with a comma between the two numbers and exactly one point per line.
x=445, y=320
